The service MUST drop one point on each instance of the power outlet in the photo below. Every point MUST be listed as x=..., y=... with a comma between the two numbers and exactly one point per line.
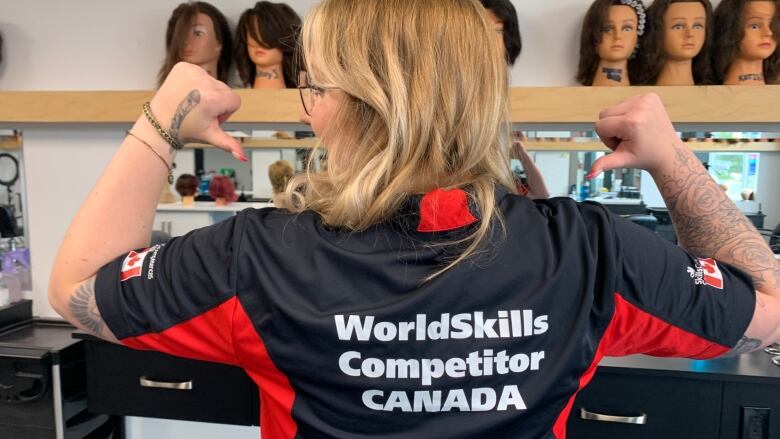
x=755, y=422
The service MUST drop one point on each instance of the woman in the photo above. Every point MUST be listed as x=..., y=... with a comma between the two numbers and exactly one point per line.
x=414, y=294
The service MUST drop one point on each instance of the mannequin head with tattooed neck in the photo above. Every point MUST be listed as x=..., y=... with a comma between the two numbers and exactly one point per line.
x=266, y=39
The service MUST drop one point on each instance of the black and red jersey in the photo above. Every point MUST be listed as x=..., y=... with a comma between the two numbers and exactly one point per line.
x=346, y=338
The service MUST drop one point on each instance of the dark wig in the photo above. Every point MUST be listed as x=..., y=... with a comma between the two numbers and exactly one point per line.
x=731, y=30
x=187, y=185
x=505, y=11
x=178, y=29
x=279, y=27
x=651, y=54
x=590, y=39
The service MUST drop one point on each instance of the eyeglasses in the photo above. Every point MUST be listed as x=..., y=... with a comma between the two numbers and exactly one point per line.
x=310, y=93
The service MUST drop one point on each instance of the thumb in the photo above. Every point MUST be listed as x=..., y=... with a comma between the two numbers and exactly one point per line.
x=216, y=137
x=608, y=162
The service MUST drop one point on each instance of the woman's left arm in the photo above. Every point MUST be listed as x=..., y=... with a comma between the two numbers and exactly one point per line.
x=118, y=213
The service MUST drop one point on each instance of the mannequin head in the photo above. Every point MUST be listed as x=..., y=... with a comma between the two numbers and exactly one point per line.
x=503, y=16
x=678, y=30
x=610, y=32
x=199, y=34
x=748, y=30
x=266, y=36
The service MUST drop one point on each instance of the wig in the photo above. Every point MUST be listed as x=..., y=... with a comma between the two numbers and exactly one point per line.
x=731, y=30
x=187, y=185
x=280, y=172
x=652, y=56
x=274, y=26
x=222, y=187
x=592, y=32
x=178, y=28
x=505, y=11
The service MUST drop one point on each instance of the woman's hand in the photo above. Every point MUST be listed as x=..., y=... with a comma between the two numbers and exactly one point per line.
x=192, y=105
x=639, y=132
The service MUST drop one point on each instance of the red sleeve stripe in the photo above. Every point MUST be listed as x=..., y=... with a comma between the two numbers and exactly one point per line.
x=634, y=331
x=276, y=393
x=207, y=336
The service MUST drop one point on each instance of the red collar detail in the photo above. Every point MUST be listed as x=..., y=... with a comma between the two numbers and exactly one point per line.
x=442, y=210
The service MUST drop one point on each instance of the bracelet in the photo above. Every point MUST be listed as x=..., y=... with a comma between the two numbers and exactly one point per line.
x=175, y=143
x=169, y=168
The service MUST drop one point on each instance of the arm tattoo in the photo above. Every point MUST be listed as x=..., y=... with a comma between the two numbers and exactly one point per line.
x=84, y=308
x=709, y=224
x=185, y=107
x=744, y=345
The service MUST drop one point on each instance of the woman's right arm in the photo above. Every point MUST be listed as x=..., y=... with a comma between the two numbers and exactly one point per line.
x=707, y=222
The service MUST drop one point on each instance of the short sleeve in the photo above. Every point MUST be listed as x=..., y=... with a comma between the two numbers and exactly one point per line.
x=178, y=297
x=671, y=303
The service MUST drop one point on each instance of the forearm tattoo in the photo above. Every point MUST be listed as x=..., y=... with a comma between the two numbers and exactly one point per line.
x=185, y=107
x=709, y=224
x=84, y=308
x=744, y=345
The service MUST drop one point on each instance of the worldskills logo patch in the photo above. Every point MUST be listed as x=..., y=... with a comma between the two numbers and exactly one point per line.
x=707, y=273
x=133, y=264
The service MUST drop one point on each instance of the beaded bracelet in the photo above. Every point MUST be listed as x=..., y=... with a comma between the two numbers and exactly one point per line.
x=175, y=143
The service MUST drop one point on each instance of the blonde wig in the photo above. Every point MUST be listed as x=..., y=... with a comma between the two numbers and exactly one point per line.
x=425, y=106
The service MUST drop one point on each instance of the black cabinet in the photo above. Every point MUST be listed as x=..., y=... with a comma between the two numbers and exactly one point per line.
x=642, y=397
x=640, y=408
x=42, y=381
x=122, y=381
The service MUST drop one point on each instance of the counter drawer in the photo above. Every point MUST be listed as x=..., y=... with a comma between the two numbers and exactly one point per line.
x=672, y=408
x=216, y=392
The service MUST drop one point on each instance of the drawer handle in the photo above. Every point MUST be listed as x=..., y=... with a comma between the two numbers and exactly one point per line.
x=184, y=385
x=590, y=416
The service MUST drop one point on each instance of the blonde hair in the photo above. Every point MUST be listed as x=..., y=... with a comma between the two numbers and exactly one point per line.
x=425, y=106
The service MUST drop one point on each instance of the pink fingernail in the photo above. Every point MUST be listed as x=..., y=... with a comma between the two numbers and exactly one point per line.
x=591, y=176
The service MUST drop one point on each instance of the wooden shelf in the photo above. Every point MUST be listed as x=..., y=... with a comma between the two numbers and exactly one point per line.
x=695, y=146
x=531, y=145
x=558, y=105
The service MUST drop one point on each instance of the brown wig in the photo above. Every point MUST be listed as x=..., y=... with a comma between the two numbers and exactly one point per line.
x=273, y=26
x=505, y=11
x=731, y=30
x=187, y=185
x=178, y=29
x=590, y=39
x=651, y=54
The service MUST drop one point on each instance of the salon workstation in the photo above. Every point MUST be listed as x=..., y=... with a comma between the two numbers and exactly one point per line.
x=72, y=88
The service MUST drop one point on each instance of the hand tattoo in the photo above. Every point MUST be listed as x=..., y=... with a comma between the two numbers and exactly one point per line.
x=84, y=308
x=184, y=108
